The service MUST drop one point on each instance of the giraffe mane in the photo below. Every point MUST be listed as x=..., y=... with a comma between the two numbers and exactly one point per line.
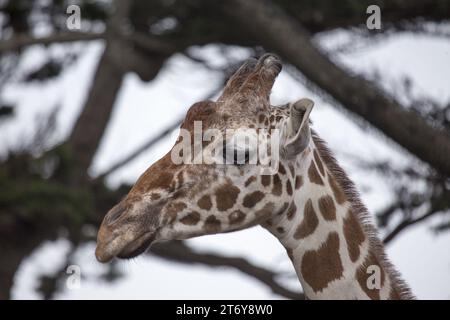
x=362, y=214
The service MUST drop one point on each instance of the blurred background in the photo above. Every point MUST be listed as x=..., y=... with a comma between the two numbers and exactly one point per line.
x=93, y=92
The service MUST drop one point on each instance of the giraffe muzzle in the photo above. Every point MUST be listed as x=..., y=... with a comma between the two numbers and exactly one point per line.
x=125, y=246
x=127, y=231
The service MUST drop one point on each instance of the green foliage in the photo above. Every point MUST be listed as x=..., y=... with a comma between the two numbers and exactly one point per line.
x=38, y=201
x=39, y=191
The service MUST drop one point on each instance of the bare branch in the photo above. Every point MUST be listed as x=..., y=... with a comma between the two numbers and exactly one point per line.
x=19, y=41
x=149, y=144
x=405, y=224
x=277, y=31
x=151, y=44
x=91, y=124
x=146, y=146
x=179, y=252
x=144, y=41
x=439, y=203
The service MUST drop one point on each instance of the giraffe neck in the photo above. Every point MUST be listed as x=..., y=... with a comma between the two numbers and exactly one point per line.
x=334, y=249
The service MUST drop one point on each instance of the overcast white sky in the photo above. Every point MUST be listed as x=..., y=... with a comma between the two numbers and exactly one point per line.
x=143, y=109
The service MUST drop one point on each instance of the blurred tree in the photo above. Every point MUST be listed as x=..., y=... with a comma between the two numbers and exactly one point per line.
x=46, y=189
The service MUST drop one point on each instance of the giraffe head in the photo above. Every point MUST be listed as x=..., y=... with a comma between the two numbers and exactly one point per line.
x=224, y=182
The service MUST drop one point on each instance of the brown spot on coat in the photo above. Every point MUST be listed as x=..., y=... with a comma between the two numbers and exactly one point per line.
x=250, y=181
x=173, y=208
x=192, y=218
x=281, y=169
x=252, y=199
x=289, y=187
x=337, y=190
x=261, y=118
x=314, y=175
x=265, y=180
x=298, y=182
x=236, y=217
x=277, y=188
x=323, y=266
x=327, y=208
x=362, y=276
x=267, y=210
x=205, y=202
x=226, y=196
x=309, y=223
x=354, y=235
x=319, y=162
x=212, y=224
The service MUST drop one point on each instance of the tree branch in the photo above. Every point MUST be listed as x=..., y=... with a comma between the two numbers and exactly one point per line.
x=149, y=144
x=439, y=202
x=63, y=203
x=117, y=58
x=144, y=41
x=22, y=40
x=277, y=31
x=91, y=123
x=151, y=44
x=318, y=16
x=405, y=224
x=178, y=252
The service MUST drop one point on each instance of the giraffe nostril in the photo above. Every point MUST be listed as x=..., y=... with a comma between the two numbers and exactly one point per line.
x=115, y=213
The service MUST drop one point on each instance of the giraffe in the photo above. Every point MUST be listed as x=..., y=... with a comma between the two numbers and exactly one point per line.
x=308, y=203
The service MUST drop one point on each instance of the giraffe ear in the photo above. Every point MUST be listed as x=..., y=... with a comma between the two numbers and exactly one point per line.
x=297, y=128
